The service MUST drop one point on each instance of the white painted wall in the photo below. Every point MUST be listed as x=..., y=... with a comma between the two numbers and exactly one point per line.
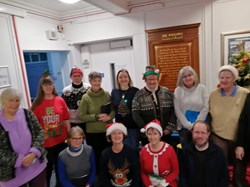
x=102, y=57
x=32, y=34
x=214, y=16
x=10, y=59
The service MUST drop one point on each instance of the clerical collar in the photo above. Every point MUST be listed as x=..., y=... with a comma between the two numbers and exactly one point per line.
x=77, y=85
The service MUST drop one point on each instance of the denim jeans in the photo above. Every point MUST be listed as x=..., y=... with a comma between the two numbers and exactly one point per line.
x=133, y=138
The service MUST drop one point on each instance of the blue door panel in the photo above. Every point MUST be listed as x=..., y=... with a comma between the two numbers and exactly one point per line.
x=34, y=72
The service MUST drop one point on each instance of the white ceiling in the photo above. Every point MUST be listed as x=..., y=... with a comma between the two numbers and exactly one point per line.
x=60, y=9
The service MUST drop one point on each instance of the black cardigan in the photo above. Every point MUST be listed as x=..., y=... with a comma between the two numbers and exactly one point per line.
x=243, y=138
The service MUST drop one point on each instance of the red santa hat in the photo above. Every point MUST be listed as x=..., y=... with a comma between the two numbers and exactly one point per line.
x=156, y=124
x=115, y=126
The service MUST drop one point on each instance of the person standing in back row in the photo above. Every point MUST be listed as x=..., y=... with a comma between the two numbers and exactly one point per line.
x=190, y=102
x=122, y=98
x=53, y=116
x=225, y=106
x=72, y=95
x=96, y=119
x=154, y=102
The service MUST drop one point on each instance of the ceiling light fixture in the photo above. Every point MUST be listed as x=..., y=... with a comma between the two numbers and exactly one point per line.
x=69, y=1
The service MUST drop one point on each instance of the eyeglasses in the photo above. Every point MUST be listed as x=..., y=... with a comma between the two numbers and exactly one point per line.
x=187, y=76
x=77, y=138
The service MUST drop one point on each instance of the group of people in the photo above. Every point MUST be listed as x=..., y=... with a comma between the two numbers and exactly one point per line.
x=90, y=137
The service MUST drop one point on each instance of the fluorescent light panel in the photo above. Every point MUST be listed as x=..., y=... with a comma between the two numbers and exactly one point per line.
x=69, y=1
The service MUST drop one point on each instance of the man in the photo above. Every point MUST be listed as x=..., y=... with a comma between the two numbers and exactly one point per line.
x=154, y=102
x=72, y=94
x=242, y=150
x=203, y=163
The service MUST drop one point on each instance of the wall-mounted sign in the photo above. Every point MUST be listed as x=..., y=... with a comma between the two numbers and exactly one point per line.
x=4, y=77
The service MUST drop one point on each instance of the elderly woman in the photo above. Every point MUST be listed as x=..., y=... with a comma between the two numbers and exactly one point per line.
x=226, y=104
x=190, y=102
x=22, y=156
x=96, y=111
x=76, y=163
x=154, y=102
x=119, y=162
x=159, y=163
x=53, y=115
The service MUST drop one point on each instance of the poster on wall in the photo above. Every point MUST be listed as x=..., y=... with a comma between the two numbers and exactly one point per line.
x=233, y=43
x=4, y=77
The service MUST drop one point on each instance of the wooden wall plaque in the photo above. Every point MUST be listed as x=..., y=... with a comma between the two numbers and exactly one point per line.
x=172, y=48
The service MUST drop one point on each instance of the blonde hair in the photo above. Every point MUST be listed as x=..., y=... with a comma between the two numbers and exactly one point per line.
x=117, y=75
x=73, y=131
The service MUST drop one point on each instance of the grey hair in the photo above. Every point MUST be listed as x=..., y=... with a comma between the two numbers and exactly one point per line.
x=181, y=73
x=10, y=93
x=94, y=74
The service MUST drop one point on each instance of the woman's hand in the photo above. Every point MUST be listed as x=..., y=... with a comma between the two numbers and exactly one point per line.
x=239, y=152
x=28, y=159
x=103, y=117
x=166, y=132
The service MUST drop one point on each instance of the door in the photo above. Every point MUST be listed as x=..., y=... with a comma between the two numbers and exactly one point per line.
x=34, y=72
x=109, y=62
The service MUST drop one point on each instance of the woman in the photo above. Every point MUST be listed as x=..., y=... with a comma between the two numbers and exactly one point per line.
x=22, y=156
x=53, y=115
x=76, y=163
x=159, y=164
x=154, y=102
x=96, y=116
x=119, y=163
x=122, y=98
x=226, y=104
x=190, y=102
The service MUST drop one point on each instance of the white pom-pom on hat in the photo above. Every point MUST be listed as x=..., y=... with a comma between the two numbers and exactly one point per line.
x=143, y=130
x=157, y=71
x=156, y=124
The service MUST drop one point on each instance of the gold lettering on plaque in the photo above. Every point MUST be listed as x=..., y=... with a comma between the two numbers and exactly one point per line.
x=172, y=36
x=170, y=59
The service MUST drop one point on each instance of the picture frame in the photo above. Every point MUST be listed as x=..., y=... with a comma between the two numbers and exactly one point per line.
x=232, y=43
x=4, y=77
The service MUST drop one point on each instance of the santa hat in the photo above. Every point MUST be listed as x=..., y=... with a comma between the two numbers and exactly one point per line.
x=75, y=70
x=156, y=124
x=151, y=70
x=115, y=126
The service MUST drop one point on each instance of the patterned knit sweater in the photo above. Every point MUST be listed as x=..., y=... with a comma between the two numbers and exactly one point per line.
x=145, y=109
x=72, y=95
